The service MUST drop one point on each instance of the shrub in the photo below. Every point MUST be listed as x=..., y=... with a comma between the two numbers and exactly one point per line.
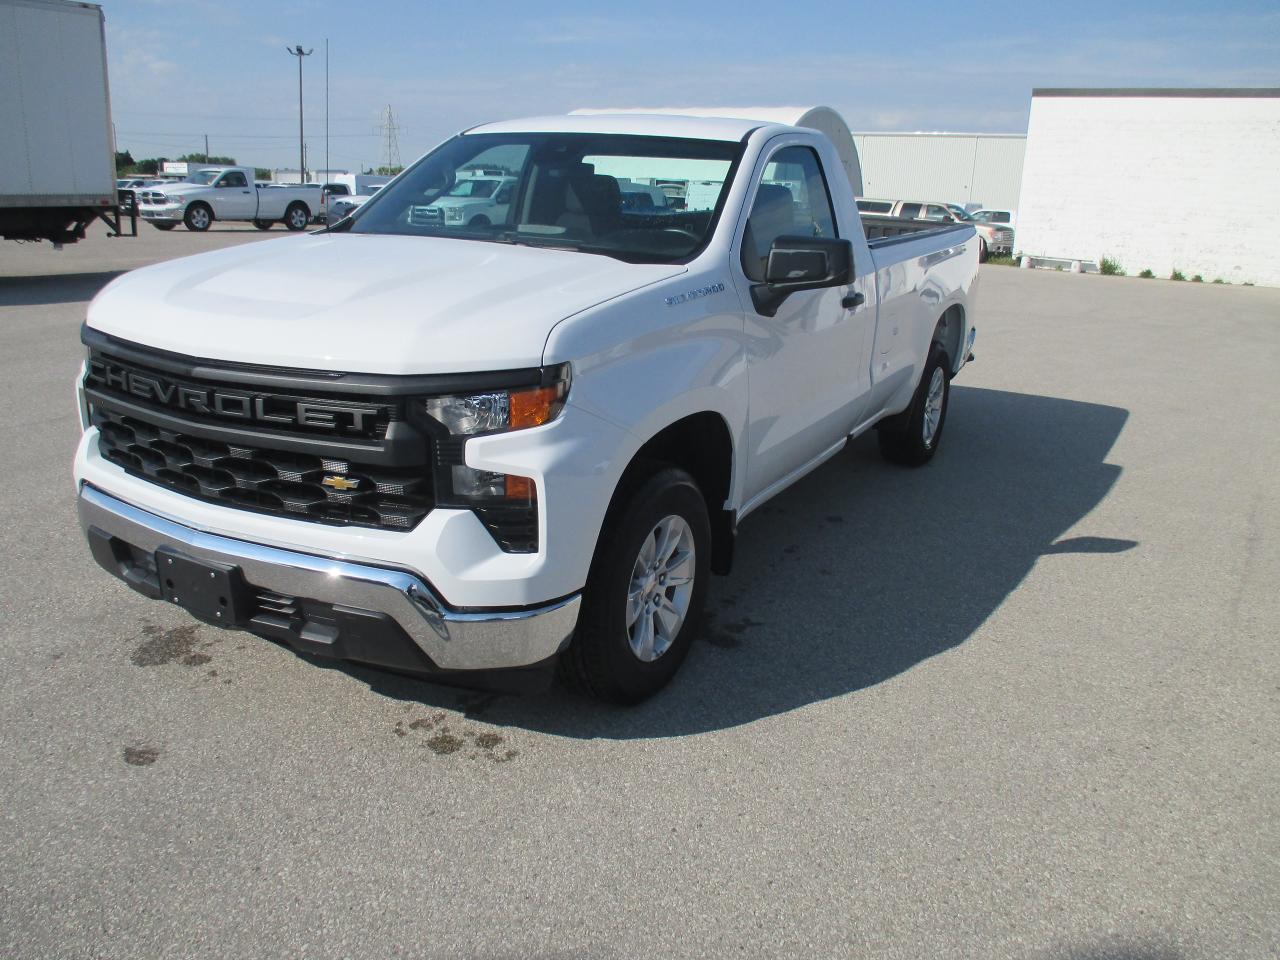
x=1218, y=280
x=1003, y=261
x=1176, y=275
x=1197, y=279
x=1146, y=274
x=1110, y=268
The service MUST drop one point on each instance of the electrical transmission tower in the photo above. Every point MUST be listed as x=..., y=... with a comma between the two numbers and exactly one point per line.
x=388, y=131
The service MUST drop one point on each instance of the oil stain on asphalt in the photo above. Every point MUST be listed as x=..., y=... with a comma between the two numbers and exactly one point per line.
x=434, y=733
x=183, y=645
x=141, y=756
x=728, y=634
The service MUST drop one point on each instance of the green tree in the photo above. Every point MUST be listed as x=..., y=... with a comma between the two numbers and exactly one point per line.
x=124, y=161
x=206, y=158
x=388, y=171
x=149, y=167
x=262, y=173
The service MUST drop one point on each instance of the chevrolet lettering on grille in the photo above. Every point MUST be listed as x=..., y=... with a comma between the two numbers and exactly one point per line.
x=232, y=405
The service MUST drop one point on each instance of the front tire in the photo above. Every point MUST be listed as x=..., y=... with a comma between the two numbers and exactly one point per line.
x=297, y=217
x=982, y=250
x=479, y=221
x=160, y=225
x=911, y=438
x=645, y=592
x=262, y=224
x=198, y=217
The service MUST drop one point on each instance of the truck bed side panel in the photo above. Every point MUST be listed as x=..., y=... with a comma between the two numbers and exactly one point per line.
x=918, y=278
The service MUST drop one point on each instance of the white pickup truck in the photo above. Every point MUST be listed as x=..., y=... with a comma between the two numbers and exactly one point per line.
x=476, y=199
x=506, y=445
x=226, y=193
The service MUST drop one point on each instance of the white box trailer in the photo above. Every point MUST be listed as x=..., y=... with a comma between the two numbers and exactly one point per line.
x=57, y=152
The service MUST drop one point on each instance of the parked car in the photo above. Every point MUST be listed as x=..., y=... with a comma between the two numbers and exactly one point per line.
x=992, y=238
x=866, y=205
x=513, y=445
x=126, y=191
x=340, y=207
x=226, y=193
x=1001, y=217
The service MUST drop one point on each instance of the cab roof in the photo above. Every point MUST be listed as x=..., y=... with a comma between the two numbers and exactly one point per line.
x=635, y=124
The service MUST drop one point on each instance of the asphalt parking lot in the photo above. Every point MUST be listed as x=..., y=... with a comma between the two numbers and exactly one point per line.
x=1022, y=703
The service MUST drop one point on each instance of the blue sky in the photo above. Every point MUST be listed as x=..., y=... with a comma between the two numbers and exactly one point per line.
x=182, y=69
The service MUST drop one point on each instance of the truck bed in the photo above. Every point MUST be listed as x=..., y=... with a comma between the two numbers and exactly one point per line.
x=886, y=231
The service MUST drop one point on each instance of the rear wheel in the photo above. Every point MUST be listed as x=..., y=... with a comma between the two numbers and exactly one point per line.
x=646, y=590
x=263, y=224
x=160, y=225
x=297, y=217
x=198, y=217
x=982, y=250
x=911, y=438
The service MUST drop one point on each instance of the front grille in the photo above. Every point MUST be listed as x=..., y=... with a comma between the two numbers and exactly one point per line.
x=423, y=216
x=297, y=485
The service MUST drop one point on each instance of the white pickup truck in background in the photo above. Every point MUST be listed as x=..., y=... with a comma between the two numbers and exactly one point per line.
x=477, y=198
x=994, y=239
x=528, y=441
x=226, y=193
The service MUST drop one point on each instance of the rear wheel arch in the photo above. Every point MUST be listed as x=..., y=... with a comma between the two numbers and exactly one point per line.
x=947, y=333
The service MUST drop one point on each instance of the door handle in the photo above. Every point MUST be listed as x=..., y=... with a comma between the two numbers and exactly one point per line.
x=853, y=301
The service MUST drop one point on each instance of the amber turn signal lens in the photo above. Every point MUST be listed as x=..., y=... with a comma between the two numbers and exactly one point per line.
x=521, y=488
x=532, y=408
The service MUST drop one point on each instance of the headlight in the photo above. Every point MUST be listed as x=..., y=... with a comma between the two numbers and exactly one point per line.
x=507, y=504
x=175, y=198
x=453, y=214
x=498, y=411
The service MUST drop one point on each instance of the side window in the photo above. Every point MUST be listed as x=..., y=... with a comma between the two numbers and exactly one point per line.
x=935, y=212
x=504, y=194
x=792, y=200
x=910, y=211
x=234, y=179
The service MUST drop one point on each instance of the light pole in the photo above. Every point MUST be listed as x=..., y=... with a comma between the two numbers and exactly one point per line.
x=302, y=162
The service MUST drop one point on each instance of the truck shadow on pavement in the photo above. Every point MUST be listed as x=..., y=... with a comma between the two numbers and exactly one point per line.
x=48, y=289
x=859, y=572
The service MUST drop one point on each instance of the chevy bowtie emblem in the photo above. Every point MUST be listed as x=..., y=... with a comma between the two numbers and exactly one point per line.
x=340, y=483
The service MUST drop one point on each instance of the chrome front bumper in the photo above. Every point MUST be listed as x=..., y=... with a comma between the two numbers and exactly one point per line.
x=450, y=639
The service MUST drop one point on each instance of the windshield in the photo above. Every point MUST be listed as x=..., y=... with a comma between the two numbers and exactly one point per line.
x=562, y=190
x=203, y=177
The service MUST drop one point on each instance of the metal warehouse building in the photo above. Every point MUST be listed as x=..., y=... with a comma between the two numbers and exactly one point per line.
x=1157, y=179
x=982, y=169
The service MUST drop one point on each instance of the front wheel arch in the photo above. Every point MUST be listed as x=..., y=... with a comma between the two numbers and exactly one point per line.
x=701, y=445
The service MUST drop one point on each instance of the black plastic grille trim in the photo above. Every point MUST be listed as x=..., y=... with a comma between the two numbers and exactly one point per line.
x=266, y=481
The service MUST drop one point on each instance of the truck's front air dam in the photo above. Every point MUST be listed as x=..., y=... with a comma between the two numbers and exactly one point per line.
x=317, y=604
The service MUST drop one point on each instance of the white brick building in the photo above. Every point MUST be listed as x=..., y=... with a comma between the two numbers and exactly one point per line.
x=1155, y=179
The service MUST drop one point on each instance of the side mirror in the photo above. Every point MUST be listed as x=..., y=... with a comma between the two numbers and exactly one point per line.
x=802, y=263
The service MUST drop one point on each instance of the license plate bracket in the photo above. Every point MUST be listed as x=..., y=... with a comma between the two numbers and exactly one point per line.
x=214, y=592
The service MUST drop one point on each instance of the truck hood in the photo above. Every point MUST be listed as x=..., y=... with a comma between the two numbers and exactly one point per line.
x=365, y=304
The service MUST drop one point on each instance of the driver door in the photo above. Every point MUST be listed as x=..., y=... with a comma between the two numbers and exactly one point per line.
x=234, y=198
x=804, y=364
